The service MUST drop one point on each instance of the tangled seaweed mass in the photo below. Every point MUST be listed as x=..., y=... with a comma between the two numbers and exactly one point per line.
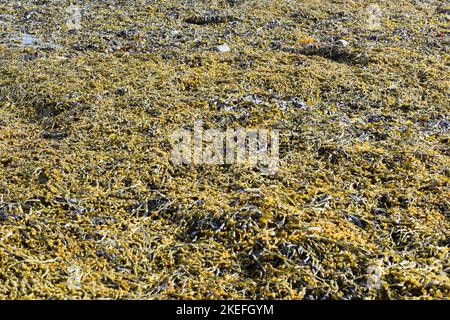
x=92, y=207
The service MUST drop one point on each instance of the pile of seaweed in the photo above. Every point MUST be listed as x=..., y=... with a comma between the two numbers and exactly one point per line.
x=92, y=207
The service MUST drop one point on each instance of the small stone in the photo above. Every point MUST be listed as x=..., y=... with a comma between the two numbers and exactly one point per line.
x=223, y=48
x=342, y=42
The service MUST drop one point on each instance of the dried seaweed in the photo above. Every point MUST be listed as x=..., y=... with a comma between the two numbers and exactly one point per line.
x=92, y=207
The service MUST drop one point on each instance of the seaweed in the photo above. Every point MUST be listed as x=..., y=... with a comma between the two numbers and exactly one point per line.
x=333, y=52
x=209, y=19
x=92, y=207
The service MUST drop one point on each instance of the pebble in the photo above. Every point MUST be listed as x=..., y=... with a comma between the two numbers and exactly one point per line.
x=342, y=42
x=223, y=48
